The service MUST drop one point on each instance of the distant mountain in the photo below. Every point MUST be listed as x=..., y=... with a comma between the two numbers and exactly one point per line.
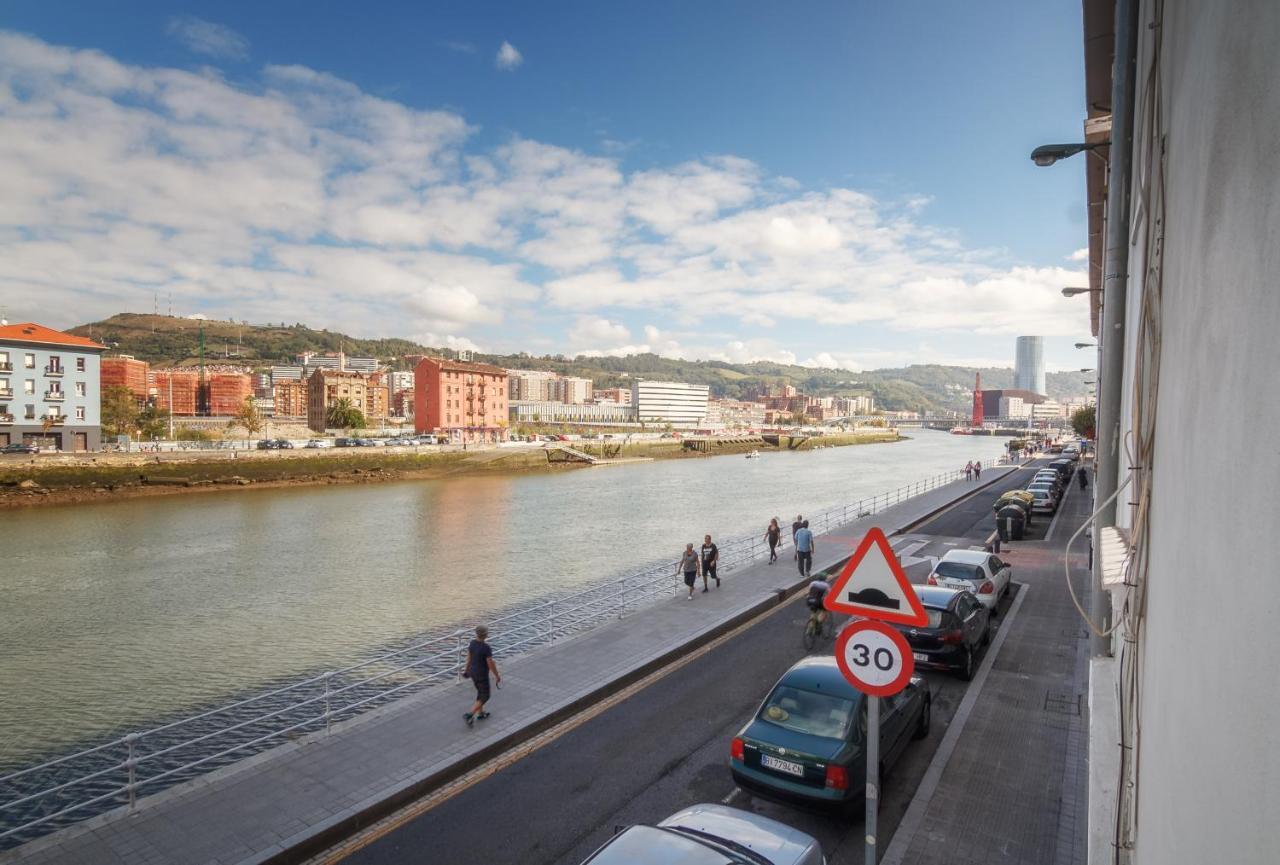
x=163, y=339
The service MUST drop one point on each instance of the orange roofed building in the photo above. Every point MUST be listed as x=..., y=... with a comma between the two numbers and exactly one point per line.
x=468, y=402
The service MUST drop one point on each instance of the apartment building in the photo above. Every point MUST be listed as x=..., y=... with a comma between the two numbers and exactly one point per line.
x=467, y=401
x=530, y=385
x=326, y=386
x=620, y=395
x=568, y=389
x=126, y=371
x=50, y=388
x=289, y=397
x=735, y=414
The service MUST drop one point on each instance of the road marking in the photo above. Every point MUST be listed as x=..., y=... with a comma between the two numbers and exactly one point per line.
x=416, y=809
x=914, y=816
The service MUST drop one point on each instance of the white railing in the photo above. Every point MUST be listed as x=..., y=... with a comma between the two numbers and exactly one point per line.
x=40, y=798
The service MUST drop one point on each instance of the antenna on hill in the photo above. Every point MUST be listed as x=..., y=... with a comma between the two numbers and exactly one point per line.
x=171, y=304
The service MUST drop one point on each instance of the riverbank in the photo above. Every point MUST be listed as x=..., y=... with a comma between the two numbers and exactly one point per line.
x=74, y=479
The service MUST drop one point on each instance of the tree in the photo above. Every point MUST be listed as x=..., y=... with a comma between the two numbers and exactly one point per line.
x=1085, y=422
x=343, y=414
x=119, y=410
x=247, y=416
x=153, y=422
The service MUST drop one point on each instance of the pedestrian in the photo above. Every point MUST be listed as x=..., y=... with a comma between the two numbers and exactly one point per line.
x=968, y=470
x=805, y=548
x=773, y=535
x=1083, y=475
x=795, y=527
x=479, y=665
x=710, y=557
x=977, y=471
x=689, y=564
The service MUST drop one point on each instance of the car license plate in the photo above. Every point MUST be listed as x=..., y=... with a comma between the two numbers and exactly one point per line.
x=782, y=765
x=920, y=656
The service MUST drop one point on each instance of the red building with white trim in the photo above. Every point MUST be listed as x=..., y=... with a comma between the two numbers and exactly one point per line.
x=468, y=402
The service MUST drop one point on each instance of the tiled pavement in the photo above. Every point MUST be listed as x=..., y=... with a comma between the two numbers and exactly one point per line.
x=1014, y=788
x=289, y=800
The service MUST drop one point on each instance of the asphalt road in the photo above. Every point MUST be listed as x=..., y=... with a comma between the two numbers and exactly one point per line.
x=667, y=747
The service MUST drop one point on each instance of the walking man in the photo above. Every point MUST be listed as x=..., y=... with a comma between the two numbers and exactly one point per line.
x=968, y=470
x=804, y=549
x=1083, y=475
x=795, y=527
x=773, y=535
x=479, y=665
x=710, y=557
x=689, y=564
x=977, y=471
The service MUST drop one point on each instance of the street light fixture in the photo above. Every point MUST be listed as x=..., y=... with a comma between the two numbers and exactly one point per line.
x=1047, y=154
x=1072, y=291
x=1086, y=369
x=1085, y=344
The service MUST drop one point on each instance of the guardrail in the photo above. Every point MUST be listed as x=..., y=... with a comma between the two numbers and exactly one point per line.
x=41, y=798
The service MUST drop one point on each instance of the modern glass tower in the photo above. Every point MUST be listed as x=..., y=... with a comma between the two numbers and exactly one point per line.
x=1028, y=368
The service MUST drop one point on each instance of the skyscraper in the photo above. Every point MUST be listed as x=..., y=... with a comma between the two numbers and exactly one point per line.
x=1028, y=368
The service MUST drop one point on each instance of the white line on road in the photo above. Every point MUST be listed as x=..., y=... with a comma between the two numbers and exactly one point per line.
x=911, y=820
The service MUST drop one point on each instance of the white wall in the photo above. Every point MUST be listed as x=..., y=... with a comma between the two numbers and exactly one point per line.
x=1209, y=772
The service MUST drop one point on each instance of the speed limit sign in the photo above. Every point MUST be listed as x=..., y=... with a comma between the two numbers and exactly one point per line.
x=874, y=657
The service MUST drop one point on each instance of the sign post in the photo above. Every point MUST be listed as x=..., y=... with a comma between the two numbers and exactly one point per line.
x=873, y=775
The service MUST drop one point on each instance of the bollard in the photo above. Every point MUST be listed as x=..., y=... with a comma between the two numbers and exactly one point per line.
x=131, y=764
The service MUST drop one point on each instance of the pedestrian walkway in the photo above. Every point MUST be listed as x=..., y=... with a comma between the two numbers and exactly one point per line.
x=1013, y=789
x=303, y=796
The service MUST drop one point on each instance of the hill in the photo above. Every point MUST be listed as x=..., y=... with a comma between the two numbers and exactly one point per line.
x=161, y=339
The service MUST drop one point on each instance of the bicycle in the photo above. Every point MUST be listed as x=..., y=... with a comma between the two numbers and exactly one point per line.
x=815, y=627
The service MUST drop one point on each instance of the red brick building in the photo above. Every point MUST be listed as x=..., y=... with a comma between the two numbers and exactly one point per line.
x=176, y=390
x=227, y=392
x=466, y=401
x=126, y=371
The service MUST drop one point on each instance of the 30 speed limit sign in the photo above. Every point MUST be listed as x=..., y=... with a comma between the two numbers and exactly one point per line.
x=874, y=657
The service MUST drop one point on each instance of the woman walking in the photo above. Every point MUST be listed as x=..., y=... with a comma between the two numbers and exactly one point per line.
x=968, y=470
x=689, y=564
x=773, y=535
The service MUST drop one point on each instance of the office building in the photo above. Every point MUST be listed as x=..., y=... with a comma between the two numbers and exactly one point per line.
x=1028, y=368
x=670, y=402
x=50, y=388
x=571, y=390
x=466, y=401
x=559, y=412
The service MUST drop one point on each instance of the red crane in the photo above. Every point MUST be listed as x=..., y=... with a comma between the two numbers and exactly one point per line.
x=976, y=422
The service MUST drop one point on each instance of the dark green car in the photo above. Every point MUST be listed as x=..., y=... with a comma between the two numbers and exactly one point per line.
x=808, y=740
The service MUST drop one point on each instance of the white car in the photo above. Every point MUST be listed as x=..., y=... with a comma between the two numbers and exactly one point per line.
x=976, y=571
x=1045, y=501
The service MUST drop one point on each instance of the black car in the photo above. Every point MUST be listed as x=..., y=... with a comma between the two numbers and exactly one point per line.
x=267, y=445
x=20, y=448
x=284, y=444
x=346, y=443
x=1065, y=468
x=959, y=626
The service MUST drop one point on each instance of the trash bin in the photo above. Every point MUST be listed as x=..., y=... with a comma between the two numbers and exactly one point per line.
x=1011, y=522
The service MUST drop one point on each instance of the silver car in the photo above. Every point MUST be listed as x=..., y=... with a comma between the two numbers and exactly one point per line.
x=710, y=835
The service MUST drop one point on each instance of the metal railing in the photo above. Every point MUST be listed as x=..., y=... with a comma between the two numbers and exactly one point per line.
x=41, y=798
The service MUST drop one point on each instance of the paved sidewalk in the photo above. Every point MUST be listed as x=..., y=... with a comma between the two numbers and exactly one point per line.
x=1014, y=788
x=291, y=801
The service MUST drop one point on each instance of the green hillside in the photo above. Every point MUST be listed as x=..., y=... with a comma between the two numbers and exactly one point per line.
x=166, y=340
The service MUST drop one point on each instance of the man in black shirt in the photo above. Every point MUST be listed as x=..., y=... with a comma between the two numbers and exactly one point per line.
x=710, y=557
x=479, y=665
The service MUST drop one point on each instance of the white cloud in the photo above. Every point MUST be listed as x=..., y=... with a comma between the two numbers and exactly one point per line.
x=205, y=37
x=1081, y=254
x=508, y=57
x=592, y=329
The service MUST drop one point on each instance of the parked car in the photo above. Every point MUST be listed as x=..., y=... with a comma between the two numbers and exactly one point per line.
x=1048, y=475
x=1064, y=467
x=1046, y=501
x=714, y=834
x=807, y=741
x=959, y=626
x=366, y=443
x=316, y=443
x=346, y=443
x=1054, y=490
x=20, y=448
x=267, y=445
x=284, y=444
x=976, y=571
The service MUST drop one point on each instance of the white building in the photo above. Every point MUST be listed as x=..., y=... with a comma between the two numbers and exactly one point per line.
x=571, y=390
x=50, y=388
x=399, y=380
x=677, y=403
x=530, y=385
x=549, y=412
x=1014, y=407
x=734, y=414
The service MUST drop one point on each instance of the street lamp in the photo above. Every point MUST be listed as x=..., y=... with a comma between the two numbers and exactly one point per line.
x=1072, y=291
x=1047, y=154
x=1085, y=344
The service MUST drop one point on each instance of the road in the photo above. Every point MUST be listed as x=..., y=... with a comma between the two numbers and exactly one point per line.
x=666, y=747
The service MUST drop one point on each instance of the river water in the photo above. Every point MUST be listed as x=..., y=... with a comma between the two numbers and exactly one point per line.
x=113, y=615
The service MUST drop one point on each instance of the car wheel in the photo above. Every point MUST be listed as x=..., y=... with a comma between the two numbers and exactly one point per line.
x=922, y=728
x=966, y=670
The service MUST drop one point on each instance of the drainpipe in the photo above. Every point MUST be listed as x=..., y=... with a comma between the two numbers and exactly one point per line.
x=1115, y=284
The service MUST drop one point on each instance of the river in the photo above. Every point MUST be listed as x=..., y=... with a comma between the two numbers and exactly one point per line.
x=119, y=613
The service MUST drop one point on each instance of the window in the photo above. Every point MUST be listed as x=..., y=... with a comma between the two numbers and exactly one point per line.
x=29, y=361
x=29, y=386
x=808, y=712
x=79, y=364
x=29, y=412
x=79, y=412
x=80, y=388
x=4, y=360
x=55, y=363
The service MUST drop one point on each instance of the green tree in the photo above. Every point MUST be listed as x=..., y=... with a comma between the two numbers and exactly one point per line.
x=119, y=410
x=343, y=414
x=248, y=417
x=1085, y=422
x=153, y=422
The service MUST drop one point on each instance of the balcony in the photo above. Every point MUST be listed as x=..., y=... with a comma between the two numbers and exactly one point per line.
x=54, y=371
x=6, y=393
x=54, y=419
x=54, y=396
x=6, y=366
x=6, y=419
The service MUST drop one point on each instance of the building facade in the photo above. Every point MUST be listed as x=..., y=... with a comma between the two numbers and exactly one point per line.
x=177, y=391
x=735, y=414
x=560, y=412
x=677, y=403
x=1028, y=367
x=50, y=388
x=126, y=371
x=571, y=390
x=289, y=398
x=326, y=387
x=530, y=385
x=620, y=395
x=468, y=402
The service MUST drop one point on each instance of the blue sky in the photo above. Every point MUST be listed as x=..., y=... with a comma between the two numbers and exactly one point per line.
x=830, y=183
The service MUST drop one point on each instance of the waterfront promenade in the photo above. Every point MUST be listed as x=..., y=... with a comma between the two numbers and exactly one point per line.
x=295, y=799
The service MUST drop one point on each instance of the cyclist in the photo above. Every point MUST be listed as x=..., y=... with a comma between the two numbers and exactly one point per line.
x=817, y=593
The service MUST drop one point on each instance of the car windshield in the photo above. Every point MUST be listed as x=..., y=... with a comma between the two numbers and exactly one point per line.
x=958, y=571
x=806, y=712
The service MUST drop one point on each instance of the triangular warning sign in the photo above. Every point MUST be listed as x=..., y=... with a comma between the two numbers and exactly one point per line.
x=873, y=585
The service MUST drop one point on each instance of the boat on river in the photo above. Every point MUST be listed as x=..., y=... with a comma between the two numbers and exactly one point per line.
x=753, y=455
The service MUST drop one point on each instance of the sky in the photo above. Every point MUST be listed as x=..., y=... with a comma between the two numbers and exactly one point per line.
x=837, y=184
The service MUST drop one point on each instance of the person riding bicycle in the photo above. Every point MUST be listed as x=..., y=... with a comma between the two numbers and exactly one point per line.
x=817, y=593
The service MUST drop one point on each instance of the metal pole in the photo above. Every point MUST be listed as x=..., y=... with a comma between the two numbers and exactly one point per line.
x=458, y=656
x=1115, y=287
x=873, y=775
x=327, y=677
x=131, y=763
